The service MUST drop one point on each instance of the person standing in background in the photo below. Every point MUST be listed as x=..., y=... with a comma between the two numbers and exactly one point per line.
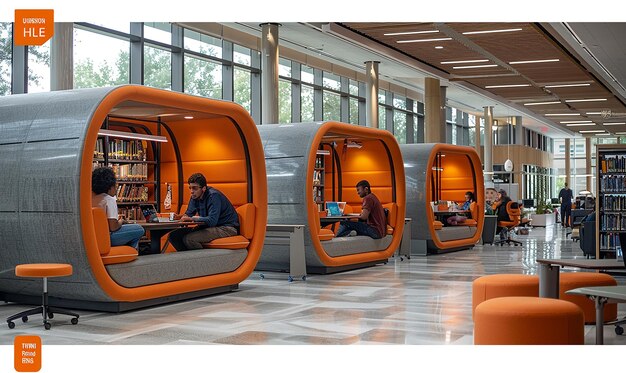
x=565, y=197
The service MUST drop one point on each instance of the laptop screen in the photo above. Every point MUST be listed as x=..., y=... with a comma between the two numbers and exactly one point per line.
x=149, y=212
x=333, y=209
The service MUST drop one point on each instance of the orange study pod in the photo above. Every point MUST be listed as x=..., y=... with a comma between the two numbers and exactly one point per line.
x=51, y=141
x=310, y=164
x=437, y=177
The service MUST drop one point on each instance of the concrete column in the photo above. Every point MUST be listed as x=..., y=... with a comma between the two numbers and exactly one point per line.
x=519, y=130
x=443, y=126
x=477, y=139
x=371, y=95
x=269, y=73
x=588, y=162
x=568, y=166
x=433, y=113
x=62, y=57
x=488, y=159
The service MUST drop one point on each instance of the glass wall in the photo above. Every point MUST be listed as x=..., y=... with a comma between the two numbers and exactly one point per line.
x=6, y=50
x=104, y=66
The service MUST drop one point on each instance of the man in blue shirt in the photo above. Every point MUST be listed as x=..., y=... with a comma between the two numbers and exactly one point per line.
x=212, y=209
x=565, y=196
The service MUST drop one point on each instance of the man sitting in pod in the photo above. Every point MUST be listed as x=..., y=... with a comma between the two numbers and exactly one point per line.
x=212, y=209
x=103, y=184
x=372, y=220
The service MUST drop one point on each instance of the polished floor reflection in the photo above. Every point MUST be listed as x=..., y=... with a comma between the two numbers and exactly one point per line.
x=424, y=300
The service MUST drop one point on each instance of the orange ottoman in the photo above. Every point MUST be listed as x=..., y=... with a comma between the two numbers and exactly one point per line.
x=573, y=280
x=503, y=285
x=528, y=321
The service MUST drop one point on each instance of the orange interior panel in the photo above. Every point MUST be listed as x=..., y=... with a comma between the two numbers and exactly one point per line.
x=455, y=179
x=212, y=146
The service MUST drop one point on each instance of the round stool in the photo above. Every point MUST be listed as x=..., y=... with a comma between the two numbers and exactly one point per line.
x=43, y=270
x=503, y=285
x=528, y=321
x=573, y=280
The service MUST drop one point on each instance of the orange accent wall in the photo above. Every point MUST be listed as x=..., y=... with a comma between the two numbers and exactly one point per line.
x=216, y=136
x=369, y=162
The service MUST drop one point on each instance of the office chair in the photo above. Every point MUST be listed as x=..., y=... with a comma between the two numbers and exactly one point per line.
x=515, y=214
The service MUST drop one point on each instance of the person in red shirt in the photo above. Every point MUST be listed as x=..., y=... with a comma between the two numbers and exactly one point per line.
x=372, y=221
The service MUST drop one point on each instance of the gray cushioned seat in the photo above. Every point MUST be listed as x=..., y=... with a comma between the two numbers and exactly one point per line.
x=339, y=246
x=154, y=269
x=455, y=233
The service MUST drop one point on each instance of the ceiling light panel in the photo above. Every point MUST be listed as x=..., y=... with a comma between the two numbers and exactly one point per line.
x=473, y=66
x=411, y=33
x=568, y=85
x=614, y=124
x=542, y=103
x=491, y=31
x=580, y=124
x=586, y=100
x=422, y=40
x=508, y=86
x=533, y=61
x=463, y=61
x=591, y=131
x=575, y=121
x=563, y=115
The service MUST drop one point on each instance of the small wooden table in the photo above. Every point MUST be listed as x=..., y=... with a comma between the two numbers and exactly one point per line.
x=158, y=230
x=549, y=272
x=602, y=295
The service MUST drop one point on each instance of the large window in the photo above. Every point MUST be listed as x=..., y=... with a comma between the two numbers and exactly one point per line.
x=6, y=35
x=307, y=111
x=157, y=67
x=203, y=77
x=332, y=106
x=103, y=66
x=284, y=101
x=243, y=85
x=39, y=68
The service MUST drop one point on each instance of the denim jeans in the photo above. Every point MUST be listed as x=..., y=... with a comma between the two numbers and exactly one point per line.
x=128, y=234
x=362, y=229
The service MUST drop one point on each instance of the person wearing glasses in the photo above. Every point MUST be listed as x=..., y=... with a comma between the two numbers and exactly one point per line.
x=210, y=208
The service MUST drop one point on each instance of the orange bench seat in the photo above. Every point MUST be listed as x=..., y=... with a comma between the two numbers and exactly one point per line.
x=246, y=214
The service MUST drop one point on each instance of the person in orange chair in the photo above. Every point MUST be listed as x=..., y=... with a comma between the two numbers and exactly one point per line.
x=500, y=207
x=214, y=211
x=372, y=221
x=103, y=184
x=458, y=219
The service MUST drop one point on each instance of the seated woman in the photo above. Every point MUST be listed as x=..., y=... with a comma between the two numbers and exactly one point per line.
x=458, y=219
x=103, y=187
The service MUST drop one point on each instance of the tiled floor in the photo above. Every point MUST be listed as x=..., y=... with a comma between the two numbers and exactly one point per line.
x=424, y=300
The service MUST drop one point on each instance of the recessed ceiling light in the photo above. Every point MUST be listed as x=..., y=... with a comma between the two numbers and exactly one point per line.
x=473, y=66
x=491, y=31
x=568, y=85
x=533, y=61
x=562, y=114
x=620, y=133
x=439, y=47
x=575, y=121
x=591, y=131
x=411, y=33
x=603, y=134
x=593, y=113
x=188, y=117
x=586, y=100
x=542, y=103
x=508, y=86
x=463, y=61
x=579, y=124
x=422, y=40
x=614, y=123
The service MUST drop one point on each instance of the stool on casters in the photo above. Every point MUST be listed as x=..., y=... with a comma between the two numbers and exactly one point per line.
x=43, y=270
